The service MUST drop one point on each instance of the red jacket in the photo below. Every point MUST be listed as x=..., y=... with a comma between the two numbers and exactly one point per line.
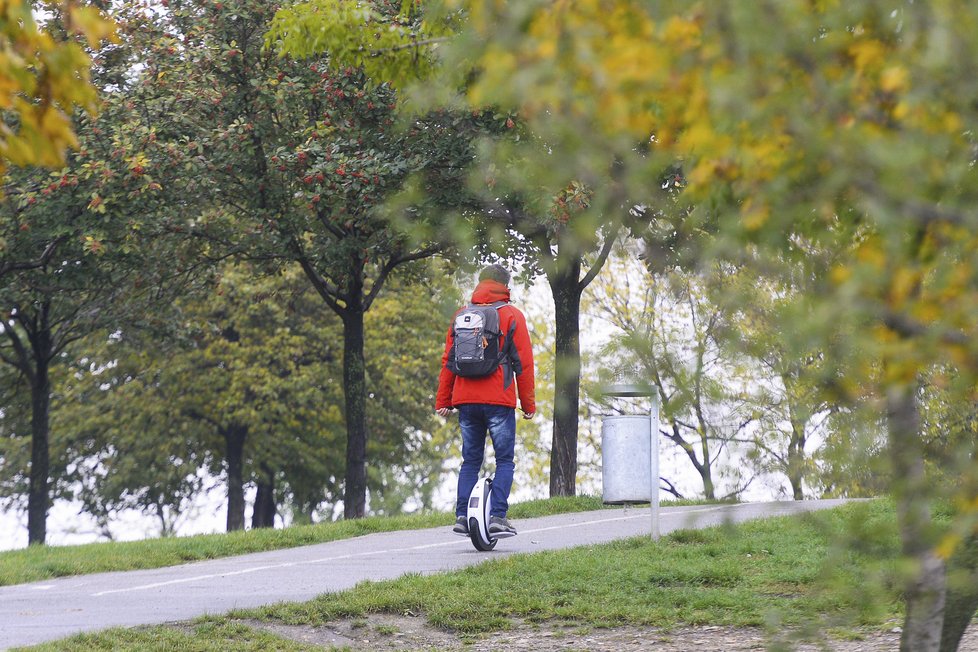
x=454, y=390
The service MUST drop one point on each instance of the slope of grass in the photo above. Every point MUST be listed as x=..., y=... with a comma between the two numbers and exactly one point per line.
x=820, y=571
x=735, y=575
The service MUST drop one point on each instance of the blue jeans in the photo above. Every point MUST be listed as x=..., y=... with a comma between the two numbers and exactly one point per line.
x=500, y=421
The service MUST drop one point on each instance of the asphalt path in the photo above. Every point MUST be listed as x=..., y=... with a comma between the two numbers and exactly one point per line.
x=53, y=609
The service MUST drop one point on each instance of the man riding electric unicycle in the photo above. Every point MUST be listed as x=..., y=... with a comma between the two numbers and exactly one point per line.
x=488, y=362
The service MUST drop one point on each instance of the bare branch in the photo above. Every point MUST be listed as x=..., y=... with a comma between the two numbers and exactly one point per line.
x=394, y=262
x=18, y=266
x=405, y=46
x=322, y=286
x=740, y=490
x=23, y=361
x=602, y=257
x=764, y=447
x=904, y=325
x=671, y=488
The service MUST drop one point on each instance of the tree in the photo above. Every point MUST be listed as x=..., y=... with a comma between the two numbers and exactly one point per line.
x=96, y=281
x=105, y=259
x=257, y=409
x=126, y=454
x=853, y=460
x=793, y=410
x=571, y=261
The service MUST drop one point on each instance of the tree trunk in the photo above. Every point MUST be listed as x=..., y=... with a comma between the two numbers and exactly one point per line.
x=564, y=285
x=355, y=393
x=706, y=469
x=962, y=594
x=796, y=460
x=703, y=426
x=234, y=437
x=38, y=499
x=799, y=418
x=706, y=475
x=925, y=593
x=38, y=496
x=263, y=514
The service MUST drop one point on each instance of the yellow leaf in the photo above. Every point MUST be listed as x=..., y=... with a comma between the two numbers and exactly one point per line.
x=90, y=23
x=948, y=545
x=840, y=274
x=682, y=33
x=867, y=53
x=901, y=110
x=870, y=253
x=894, y=79
x=904, y=283
x=754, y=216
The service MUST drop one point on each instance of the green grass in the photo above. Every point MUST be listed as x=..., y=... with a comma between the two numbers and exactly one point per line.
x=786, y=568
x=204, y=636
x=826, y=570
x=37, y=563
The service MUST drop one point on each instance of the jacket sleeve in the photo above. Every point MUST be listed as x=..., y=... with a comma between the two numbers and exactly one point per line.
x=525, y=380
x=446, y=379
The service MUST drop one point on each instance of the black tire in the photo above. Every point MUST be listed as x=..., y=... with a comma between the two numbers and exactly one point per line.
x=477, y=540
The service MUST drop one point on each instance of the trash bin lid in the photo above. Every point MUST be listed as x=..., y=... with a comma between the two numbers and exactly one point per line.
x=628, y=389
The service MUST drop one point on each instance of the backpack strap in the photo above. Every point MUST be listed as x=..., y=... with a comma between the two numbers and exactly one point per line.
x=508, y=359
x=510, y=362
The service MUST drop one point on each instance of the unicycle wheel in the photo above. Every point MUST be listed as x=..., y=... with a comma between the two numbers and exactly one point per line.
x=480, y=542
x=478, y=516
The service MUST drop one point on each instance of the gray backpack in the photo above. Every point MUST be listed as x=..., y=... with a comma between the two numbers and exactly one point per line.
x=476, y=350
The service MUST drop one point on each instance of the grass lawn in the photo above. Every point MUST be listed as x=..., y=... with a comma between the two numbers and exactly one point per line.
x=831, y=569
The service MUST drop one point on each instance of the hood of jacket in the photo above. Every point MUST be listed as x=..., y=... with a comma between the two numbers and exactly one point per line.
x=490, y=291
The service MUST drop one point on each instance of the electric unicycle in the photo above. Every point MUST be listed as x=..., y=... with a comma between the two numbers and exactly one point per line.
x=480, y=501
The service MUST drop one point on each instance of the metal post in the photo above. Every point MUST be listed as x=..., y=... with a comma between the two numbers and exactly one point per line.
x=654, y=463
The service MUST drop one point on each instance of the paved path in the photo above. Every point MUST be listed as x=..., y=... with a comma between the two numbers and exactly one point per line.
x=49, y=610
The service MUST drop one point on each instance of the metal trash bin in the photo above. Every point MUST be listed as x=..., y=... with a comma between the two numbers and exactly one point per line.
x=630, y=453
x=625, y=455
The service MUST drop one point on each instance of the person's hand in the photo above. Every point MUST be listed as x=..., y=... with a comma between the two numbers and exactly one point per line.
x=529, y=415
x=443, y=412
